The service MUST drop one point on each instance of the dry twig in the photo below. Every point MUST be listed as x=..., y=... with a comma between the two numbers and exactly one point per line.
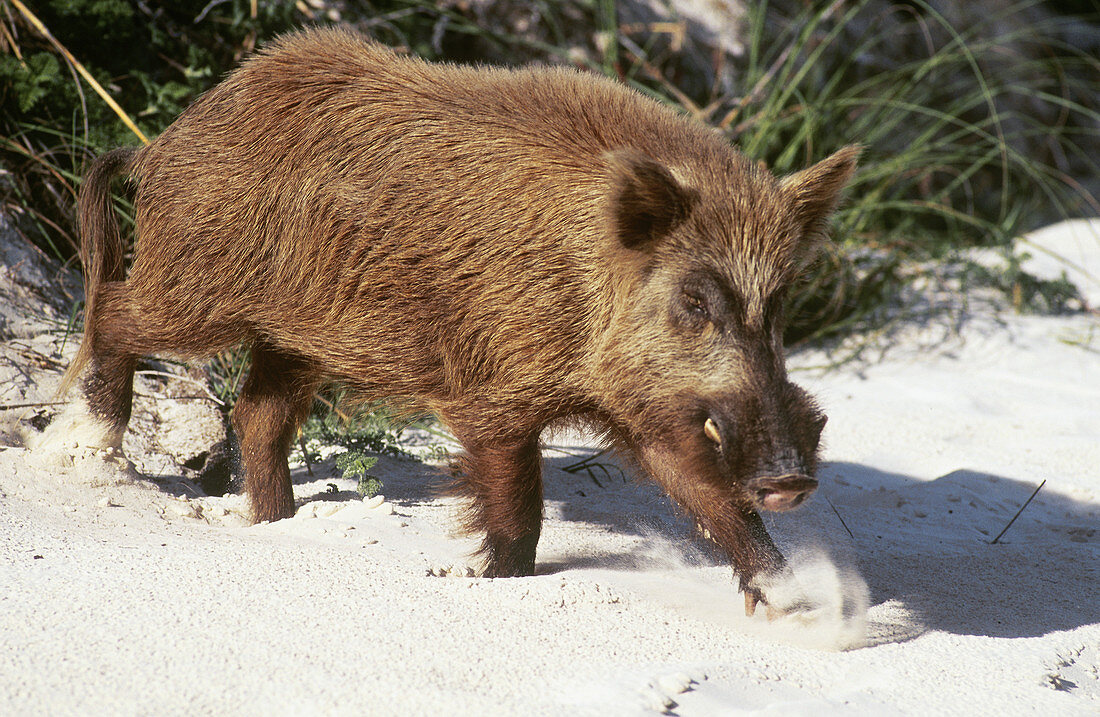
x=1021, y=510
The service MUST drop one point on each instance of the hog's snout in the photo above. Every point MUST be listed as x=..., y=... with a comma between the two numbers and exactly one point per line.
x=781, y=493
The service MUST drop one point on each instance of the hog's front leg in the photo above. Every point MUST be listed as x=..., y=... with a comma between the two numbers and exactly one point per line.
x=772, y=563
x=723, y=514
x=503, y=482
x=741, y=535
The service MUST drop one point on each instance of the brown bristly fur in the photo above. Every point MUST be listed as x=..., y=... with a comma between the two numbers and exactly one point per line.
x=507, y=248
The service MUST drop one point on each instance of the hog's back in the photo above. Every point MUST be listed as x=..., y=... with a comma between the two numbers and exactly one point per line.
x=425, y=230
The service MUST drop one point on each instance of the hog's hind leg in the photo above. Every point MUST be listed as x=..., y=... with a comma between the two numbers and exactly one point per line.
x=504, y=484
x=117, y=337
x=276, y=398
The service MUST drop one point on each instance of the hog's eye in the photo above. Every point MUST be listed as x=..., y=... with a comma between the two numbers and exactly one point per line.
x=695, y=304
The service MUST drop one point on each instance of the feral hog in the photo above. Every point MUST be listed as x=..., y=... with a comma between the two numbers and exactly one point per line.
x=510, y=249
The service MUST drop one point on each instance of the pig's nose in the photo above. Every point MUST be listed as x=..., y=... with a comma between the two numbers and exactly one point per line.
x=781, y=493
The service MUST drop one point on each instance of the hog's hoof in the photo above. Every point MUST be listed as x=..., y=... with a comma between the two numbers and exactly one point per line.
x=77, y=427
x=271, y=513
x=753, y=598
x=498, y=569
x=789, y=604
x=509, y=558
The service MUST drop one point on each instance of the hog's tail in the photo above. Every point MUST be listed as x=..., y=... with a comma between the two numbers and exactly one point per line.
x=101, y=247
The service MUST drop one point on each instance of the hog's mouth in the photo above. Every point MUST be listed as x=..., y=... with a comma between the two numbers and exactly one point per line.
x=780, y=493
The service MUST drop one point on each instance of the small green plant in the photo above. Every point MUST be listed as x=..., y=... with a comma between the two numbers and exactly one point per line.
x=368, y=487
x=355, y=464
x=367, y=432
x=353, y=442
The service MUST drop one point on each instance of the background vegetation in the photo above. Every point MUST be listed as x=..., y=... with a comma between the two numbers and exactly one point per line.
x=977, y=126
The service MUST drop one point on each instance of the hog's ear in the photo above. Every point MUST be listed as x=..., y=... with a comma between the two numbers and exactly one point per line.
x=646, y=202
x=815, y=192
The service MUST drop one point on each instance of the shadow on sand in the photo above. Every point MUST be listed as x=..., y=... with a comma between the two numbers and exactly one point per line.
x=924, y=544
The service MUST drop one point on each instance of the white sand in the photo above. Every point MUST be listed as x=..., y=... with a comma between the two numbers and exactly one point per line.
x=121, y=595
